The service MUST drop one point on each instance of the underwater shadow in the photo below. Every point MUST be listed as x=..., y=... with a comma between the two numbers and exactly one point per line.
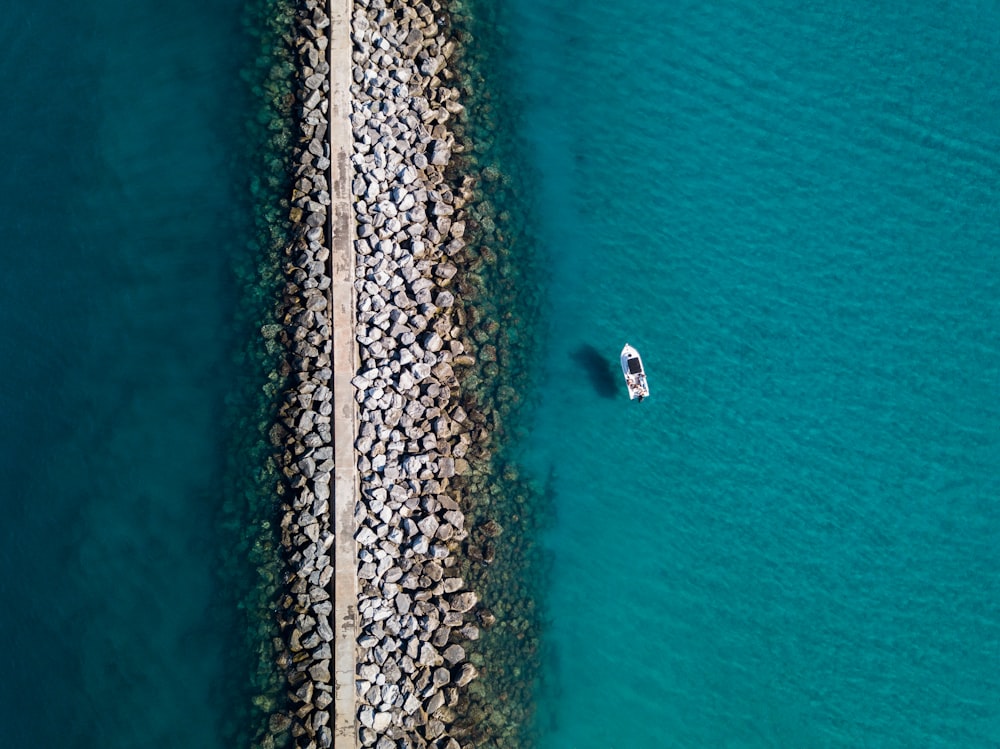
x=598, y=368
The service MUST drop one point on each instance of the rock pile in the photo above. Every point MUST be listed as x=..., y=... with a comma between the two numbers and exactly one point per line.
x=303, y=428
x=414, y=435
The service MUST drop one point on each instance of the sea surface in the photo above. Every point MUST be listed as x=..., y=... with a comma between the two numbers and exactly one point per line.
x=793, y=211
x=124, y=209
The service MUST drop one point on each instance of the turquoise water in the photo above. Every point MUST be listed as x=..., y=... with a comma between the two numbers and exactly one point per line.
x=792, y=211
x=124, y=208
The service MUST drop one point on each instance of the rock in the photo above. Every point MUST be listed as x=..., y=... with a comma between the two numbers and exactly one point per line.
x=440, y=677
x=304, y=693
x=445, y=271
x=441, y=153
x=323, y=629
x=408, y=175
x=434, y=728
x=314, y=99
x=429, y=526
x=429, y=656
x=411, y=705
x=307, y=466
x=434, y=571
x=279, y=723
x=406, y=202
x=491, y=529
x=463, y=602
x=421, y=545
x=432, y=342
x=421, y=371
x=436, y=702
x=446, y=467
x=453, y=654
x=464, y=674
x=320, y=671
x=325, y=737
x=323, y=700
x=381, y=722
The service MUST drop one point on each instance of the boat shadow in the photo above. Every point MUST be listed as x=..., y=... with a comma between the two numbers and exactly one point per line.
x=598, y=369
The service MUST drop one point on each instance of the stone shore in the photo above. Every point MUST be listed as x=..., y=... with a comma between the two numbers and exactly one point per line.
x=414, y=437
x=308, y=643
x=413, y=615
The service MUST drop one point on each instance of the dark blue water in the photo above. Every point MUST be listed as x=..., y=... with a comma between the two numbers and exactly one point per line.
x=122, y=212
x=792, y=211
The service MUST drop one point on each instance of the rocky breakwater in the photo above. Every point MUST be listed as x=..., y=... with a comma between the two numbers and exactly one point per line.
x=414, y=435
x=303, y=430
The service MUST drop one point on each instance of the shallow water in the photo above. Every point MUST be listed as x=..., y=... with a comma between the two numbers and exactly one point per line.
x=791, y=212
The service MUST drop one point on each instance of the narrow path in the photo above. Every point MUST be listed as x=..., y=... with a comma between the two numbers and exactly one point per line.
x=345, y=490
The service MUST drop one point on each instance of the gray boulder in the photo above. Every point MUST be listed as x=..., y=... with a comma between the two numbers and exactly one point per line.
x=464, y=674
x=463, y=602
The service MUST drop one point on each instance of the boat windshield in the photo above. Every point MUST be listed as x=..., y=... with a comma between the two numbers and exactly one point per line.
x=634, y=366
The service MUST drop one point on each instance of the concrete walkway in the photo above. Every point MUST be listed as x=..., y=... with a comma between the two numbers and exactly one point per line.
x=345, y=489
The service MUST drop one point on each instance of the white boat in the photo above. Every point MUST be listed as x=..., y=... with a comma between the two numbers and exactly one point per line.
x=635, y=375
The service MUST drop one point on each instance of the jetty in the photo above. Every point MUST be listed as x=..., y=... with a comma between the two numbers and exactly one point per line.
x=376, y=612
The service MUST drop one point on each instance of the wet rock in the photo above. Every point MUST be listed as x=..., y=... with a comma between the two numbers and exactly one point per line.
x=491, y=528
x=462, y=602
x=279, y=723
x=465, y=674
